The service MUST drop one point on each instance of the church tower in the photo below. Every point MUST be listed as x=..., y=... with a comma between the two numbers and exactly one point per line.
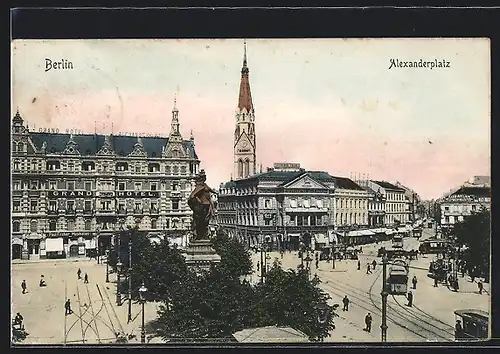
x=244, y=134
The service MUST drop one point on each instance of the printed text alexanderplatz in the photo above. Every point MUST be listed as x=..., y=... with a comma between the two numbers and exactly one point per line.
x=428, y=64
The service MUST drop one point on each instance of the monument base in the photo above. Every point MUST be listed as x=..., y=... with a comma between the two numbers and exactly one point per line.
x=201, y=255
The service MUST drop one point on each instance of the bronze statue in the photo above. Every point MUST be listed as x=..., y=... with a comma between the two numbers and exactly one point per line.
x=200, y=203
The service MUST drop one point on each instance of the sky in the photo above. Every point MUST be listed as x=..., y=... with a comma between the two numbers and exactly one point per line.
x=329, y=104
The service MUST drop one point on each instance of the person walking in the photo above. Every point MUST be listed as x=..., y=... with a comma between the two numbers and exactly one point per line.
x=42, y=282
x=18, y=321
x=480, y=286
x=368, y=270
x=374, y=263
x=435, y=281
x=67, y=307
x=345, y=301
x=368, y=322
x=414, y=282
x=410, y=299
x=86, y=279
x=359, y=265
x=23, y=286
x=317, y=262
x=79, y=273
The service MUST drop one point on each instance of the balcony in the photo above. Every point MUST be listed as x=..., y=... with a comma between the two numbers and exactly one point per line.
x=104, y=212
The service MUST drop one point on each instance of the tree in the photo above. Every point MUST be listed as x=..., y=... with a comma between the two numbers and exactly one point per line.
x=235, y=258
x=289, y=298
x=474, y=233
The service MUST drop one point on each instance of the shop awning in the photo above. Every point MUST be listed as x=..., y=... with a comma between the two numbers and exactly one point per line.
x=389, y=232
x=378, y=231
x=54, y=244
x=367, y=232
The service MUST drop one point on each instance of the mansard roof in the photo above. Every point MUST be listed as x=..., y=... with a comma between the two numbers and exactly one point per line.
x=387, y=185
x=287, y=176
x=473, y=191
x=90, y=144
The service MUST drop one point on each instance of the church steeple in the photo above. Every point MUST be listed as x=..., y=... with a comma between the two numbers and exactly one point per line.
x=175, y=133
x=175, y=143
x=244, y=133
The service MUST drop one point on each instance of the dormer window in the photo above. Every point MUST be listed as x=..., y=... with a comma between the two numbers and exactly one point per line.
x=154, y=167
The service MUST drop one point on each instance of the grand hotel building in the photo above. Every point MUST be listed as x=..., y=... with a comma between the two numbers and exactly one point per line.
x=71, y=193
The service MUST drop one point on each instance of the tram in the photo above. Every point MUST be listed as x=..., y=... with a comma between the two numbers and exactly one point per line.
x=397, y=280
x=471, y=324
x=392, y=253
x=397, y=241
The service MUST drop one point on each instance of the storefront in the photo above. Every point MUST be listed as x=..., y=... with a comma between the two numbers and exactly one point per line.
x=54, y=248
x=17, y=248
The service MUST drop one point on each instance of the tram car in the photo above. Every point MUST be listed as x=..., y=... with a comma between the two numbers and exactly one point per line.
x=397, y=280
x=434, y=246
x=392, y=253
x=397, y=241
x=471, y=324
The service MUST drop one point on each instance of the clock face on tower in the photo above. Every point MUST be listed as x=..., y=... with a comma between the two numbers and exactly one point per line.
x=244, y=144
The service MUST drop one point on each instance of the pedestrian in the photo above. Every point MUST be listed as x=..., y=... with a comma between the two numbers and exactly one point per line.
x=368, y=322
x=345, y=301
x=67, y=307
x=374, y=263
x=86, y=279
x=368, y=270
x=79, y=273
x=410, y=299
x=42, y=282
x=258, y=266
x=317, y=263
x=480, y=286
x=23, y=286
x=359, y=265
x=18, y=321
x=414, y=282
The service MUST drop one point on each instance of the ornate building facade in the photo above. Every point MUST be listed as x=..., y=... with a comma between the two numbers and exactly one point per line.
x=463, y=202
x=397, y=205
x=70, y=193
x=287, y=202
x=244, y=148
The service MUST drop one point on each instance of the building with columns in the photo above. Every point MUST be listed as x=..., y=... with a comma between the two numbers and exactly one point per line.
x=244, y=147
x=397, y=206
x=71, y=193
x=287, y=202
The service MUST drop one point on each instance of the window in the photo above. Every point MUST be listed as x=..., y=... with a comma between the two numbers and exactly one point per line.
x=70, y=205
x=16, y=226
x=446, y=208
x=473, y=207
x=176, y=170
x=88, y=205
x=16, y=185
x=34, y=165
x=33, y=205
x=34, y=185
x=267, y=222
x=138, y=206
x=71, y=166
x=307, y=203
x=154, y=186
x=121, y=207
x=71, y=225
x=138, y=186
x=16, y=205
x=71, y=186
x=183, y=170
x=153, y=224
x=446, y=219
x=313, y=220
x=16, y=165
x=267, y=203
x=52, y=225
x=34, y=226
x=319, y=203
x=52, y=205
x=121, y=186
x=88, y=224
x=154, y=206
x=318, y=220
x=175, y=204
x=300, y=220
x=52, y=185
x=175, y=186
x=137, y=169
x=88, y=186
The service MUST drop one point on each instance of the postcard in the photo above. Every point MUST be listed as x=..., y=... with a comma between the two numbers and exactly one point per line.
x=250, y=191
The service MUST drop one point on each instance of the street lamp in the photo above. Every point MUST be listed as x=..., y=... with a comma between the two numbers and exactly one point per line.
x=107, y=263
x=142, y=297
x=118, y=293
x=333, y=256
x=384, y=294
x=129, y=318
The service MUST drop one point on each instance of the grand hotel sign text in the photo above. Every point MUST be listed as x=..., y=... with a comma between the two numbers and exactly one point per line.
x=94, y=194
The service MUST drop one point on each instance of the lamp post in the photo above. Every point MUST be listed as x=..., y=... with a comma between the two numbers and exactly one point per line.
x=142, y=296
x=118, y=292
x=384, y=294
x=129, y=318
x=261, y=260
x=333, y=256
x=108, y=252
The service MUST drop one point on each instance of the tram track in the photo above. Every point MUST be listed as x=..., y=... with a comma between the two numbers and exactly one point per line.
x=369, y=300
x=94, y=314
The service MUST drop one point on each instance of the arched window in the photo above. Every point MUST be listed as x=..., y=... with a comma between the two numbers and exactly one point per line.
x=88, y=224
x=240, y=168
x=20, y=147
x=153, y=224
x=14, y=146
x=52, y=225
x=16, y=165
x=34, y=226
x=246, y=168
x=16, y=226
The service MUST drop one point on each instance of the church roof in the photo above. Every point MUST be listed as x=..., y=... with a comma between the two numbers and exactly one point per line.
x=387, y=185
x=245, y=98
x=90, y=144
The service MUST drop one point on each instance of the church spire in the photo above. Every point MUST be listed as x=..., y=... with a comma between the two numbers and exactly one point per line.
x=245, y=98
x=175, y=133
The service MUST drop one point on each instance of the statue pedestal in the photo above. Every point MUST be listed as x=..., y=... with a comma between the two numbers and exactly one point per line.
x=200, y=254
